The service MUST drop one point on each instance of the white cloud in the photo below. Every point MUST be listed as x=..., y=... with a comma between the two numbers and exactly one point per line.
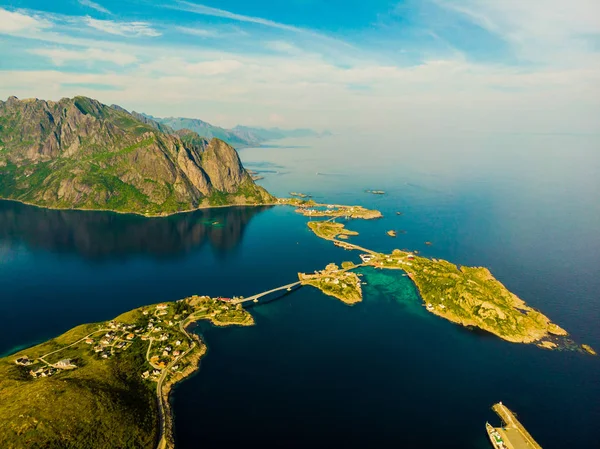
x=61, y=56
x=550, y=31
x=15, y=22
x=179, y=66
x=215, y=12
x=94, y=5
x=127, y=29
x=200, y=32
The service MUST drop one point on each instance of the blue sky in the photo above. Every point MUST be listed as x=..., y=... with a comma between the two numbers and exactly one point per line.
x=470, y=65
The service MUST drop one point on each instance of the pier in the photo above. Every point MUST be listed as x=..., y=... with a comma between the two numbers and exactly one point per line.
x=513, y=433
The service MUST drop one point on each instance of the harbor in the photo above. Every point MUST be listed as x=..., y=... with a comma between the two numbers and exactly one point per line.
x=512, y=435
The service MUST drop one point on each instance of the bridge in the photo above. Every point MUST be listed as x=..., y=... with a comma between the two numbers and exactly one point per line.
x=287, y=287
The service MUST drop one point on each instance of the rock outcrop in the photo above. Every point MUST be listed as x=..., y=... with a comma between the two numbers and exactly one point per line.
x=81, y=154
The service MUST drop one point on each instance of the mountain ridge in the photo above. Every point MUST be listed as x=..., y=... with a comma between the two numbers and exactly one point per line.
x=78, y=153
x=239, y=136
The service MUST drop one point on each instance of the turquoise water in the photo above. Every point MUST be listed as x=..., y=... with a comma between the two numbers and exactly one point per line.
x=314, y=371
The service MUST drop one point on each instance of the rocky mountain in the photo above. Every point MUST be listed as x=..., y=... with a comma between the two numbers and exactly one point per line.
x=81, y=154
x=207, y=130
x=239, y=137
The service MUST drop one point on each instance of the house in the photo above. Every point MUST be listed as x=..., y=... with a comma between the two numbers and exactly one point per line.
x=176, y=353
x=98, y=348
x=163, y=312
x=366, y=257
x=162, y=307
x=145, y=374
x=64, y=364
x=165, y=353
x=130, y=337
x=175, y=368
x=224, y=299
x=24, y=361
x=89, y=341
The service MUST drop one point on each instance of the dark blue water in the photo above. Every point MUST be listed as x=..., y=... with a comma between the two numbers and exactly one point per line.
x=314, y=371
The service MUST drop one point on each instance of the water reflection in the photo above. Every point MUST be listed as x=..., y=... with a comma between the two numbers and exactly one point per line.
x=105, y=235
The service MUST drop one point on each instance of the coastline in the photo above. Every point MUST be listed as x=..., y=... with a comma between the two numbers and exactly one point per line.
x=165, y=437
x=139, y=214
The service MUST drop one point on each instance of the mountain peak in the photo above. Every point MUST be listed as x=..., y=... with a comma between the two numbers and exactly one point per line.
x=80, y=153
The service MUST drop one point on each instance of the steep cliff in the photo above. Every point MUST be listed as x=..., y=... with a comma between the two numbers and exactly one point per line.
x=79, y=153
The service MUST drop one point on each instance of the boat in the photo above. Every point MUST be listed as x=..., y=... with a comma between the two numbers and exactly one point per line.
x=495, y=437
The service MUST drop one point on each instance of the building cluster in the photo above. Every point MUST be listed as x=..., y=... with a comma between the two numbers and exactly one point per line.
x=49, y=370
x=119, y=336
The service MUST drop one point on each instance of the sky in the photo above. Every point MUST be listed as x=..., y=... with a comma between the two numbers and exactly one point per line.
x=491, y=66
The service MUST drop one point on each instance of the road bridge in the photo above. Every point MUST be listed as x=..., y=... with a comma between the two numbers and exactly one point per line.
x=287, y=287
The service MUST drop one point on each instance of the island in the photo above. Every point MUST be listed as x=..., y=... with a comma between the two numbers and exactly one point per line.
x=299, y=195
x=391, y=233
x=469, y=296
x=333, y=281
x=106, y=385
x=310, y=208
x=329, y=230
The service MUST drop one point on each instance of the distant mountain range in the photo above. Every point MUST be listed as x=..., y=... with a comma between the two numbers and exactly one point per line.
x=78, y=153
x=239, y=137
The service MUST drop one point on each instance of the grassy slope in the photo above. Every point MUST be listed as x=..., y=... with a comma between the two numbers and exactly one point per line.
x=329, y=230
x=472, y=296
x=102, y=404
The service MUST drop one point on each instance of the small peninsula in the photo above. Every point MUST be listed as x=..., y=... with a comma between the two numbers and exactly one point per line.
x=78, y=153
x=108, y=382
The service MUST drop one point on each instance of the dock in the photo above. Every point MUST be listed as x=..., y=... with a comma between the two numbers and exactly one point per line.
x=513, y=433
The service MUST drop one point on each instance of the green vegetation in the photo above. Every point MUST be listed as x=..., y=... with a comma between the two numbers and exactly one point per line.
x=309, y=208
x=101, y=404
x=329, y=230
x=471, y=296
x=109, y=159
x=334, y=282
x=95, y=386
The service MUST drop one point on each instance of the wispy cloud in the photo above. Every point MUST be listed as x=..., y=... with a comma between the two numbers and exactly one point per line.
x=200, y=32
x=215, y=12
x=127, y=29
x=94, y=5
x=549, y=31
x=60, y=56
x=14, y=22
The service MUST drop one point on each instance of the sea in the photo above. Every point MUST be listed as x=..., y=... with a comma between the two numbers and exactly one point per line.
x=314, y=372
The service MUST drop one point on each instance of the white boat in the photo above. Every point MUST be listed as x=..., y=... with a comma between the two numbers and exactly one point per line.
x=495, y=437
